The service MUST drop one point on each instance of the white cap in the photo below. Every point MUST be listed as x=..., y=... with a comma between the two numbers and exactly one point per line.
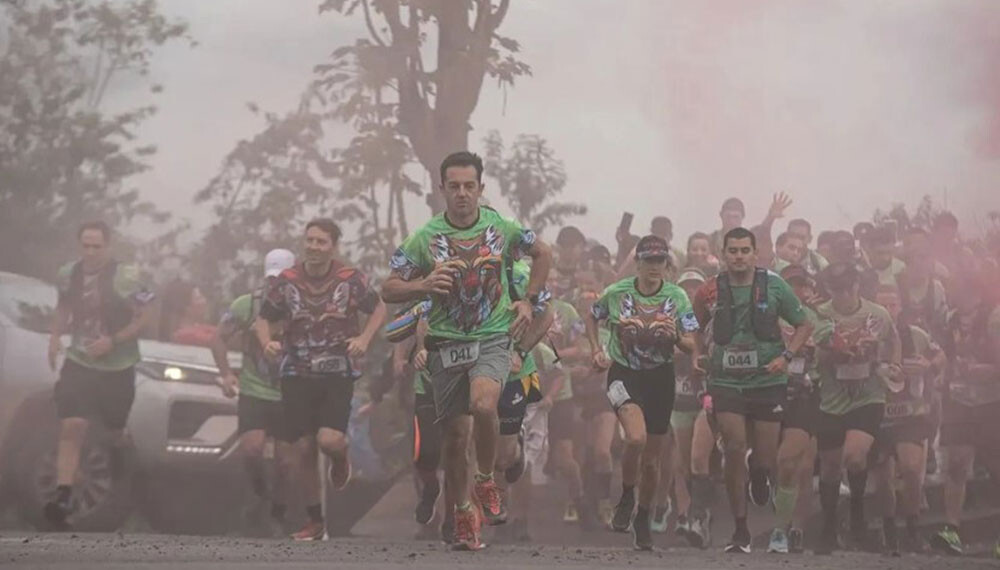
x=278, y=260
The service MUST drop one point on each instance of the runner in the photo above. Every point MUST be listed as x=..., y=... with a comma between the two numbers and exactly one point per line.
x=648, y=316
x=811, y=260
x=321, y=353
x=789, y=249
x=460, y=258
x=970, y=431
x=858, y=354
x=732, y=215
x=103, y=306
x=259, y=411
x=797, y=451
x=687, y=407
x=699, y=254
x=748, y=373
x=907, y=426
x=881, y=254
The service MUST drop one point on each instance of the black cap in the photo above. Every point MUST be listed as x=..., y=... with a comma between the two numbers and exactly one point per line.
x=652, y=246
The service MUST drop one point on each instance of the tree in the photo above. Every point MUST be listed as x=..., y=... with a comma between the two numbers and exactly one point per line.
x=529, y=177
x=62, y=160
x=430, y=105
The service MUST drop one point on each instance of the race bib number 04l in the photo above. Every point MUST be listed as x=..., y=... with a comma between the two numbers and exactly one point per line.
x=740, y=360
x=459, y=354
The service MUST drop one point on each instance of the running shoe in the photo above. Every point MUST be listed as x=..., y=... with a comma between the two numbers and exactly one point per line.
x=623, y=513
x=683, y=526
x=313, y=530
x=948, y=541
x=758, y=485
x=642, y=537
x=739, y=544
x=660, y=518
x=467, y=531
x=427, y=506
x=700, y=535
x=796, y=541
x=570, y=514
x=779, y=542
x=490, y=497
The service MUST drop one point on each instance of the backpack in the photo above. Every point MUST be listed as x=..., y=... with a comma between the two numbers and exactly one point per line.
x=763, y=318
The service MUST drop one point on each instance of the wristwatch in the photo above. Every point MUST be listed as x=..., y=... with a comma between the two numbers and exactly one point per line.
x=540, y=301
x=789, y=355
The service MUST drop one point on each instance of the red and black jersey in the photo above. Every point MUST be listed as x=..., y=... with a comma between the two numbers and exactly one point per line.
x=321, y=315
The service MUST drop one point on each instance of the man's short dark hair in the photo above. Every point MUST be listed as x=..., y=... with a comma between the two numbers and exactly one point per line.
x=461, y=159
x=699, y=235
x=95, y=225
x=328, y=226
x=882, y=235
x=734, y=204
x=739, y=233
x=661, y=221
x=945, y=219
x=801, y=222
x=570, y=236
x=784, y=237
x=826, y=238
x=841, y=276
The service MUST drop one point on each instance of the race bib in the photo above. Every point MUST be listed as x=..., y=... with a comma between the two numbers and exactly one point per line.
x=797, y=365
x=617, y=394
x=739, y=360
x=896, y=410
x=333, y=364
x=459, y=354
x=855, y=371
x=685, y=387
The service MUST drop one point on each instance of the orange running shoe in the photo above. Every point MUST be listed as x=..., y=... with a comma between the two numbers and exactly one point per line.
x=467, y=530
x=491, y=499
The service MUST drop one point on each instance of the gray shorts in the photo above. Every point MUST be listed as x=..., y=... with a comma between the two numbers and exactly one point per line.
x=450, y=386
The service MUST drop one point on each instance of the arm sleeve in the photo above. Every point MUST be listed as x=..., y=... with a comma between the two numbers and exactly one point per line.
x=409, y=262
x=688, y=323
x=600, y=309
x=236, y=317
x=274, y=308
x=367, y=296
x=789, y=307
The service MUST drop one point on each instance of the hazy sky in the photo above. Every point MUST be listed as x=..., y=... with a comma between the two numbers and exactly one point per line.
x=656, y=106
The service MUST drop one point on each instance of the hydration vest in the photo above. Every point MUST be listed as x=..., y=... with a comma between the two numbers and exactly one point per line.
x=763, y=317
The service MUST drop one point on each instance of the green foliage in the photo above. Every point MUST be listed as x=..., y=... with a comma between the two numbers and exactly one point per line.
x=62, y=160
x=529, y=177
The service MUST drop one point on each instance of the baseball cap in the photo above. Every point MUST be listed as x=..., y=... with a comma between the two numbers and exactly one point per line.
x=691, y=274
x=278, y=260
x=651, y=246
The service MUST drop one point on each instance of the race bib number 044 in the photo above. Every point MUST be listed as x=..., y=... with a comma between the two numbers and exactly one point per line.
x=740, y=360
x=459, y=354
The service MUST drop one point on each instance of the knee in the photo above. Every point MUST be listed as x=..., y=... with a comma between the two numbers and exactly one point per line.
x=635, y=439
x=252, y=444
x=483, y=406
x=855, y=461
x=332, y=442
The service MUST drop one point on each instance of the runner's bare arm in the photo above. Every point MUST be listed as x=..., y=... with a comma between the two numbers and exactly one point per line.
x=537, y=330
x=541, y=264
x=220, y=349
x=59, y=323
x=688, y=343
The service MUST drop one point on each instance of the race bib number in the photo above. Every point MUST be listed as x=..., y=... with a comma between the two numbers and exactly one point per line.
x=685, y=387
x=459, y=354
x=329, y=365
x=896, y=410
x=740, y=360
x=797, y=365
x=855, y=371
x=617, y=394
